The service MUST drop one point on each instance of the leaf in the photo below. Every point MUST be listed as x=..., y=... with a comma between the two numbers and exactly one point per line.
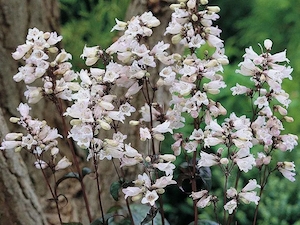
x=67, y=176
x=97, y=222
x=114, y=190
x=86, y=171
x=150, y=215
x=204, y=222
x=205, y=175
x=139, y=213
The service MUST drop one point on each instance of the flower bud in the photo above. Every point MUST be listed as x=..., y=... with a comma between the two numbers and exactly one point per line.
x=111, y=142
x=148, y=159
x=288, y=119
x=168, y=157
x=268, y=44
x=160, y=191
x=204, y=2
x=134, y=122
x=282, y=111
x=224, y=161
x=136, y=197
x=63, y=163
x=214, y=9
x=54, y=151
x=159, y=137
x=75, y=122
x=14, y=119
x=104, y=125
x=176, y=39
x=175, y=6
x=191, y=4
x=13, y=136
x=18, y=149
x=40, y=164
x=176, y=56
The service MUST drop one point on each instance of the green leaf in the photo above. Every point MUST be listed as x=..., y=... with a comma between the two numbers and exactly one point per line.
x=205, y=174
x=114, y=190
x=139, y=213
x=150, y=215
x=97, y=222
x=204, y=222
x=86, y=171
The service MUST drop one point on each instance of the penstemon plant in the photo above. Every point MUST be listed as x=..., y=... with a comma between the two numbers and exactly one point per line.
x=234, y=145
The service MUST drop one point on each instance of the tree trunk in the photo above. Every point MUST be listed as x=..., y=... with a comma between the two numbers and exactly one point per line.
x=18, y=202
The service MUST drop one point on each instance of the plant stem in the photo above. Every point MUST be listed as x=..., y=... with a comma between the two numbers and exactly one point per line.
x=54, y=196
x=99, y=189
x=76, y=163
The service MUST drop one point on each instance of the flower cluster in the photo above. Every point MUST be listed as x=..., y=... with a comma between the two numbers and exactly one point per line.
x=40, y=138
x=194, y=80
x=36, y=53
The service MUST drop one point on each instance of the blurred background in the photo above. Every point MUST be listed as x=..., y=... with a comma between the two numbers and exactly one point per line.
x=244, y=23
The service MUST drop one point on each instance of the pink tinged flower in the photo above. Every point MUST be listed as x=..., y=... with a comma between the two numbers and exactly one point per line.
x=10, y=144
x=120, y=25
x=133, y=89
x=213, y=87
x=91, y=55
x=127, y=109
x=150, y=197
x=204, y=201
x=212, y=141
x=63, y=163
x=262, y=159
x=144, y=134
x=163, y=128
x=54, y=38
x=248, y=68
x=252, y=184
x=231, y=192
x=288, y=142
x=149, y=19
x=207, y=160
x=190, y=146
x=230, y=206
x=131, y=152
x=167, y=167
x=248, y=197
x=261, y=102
x=33, y=94
x=40, y=164
x=34, y=34
x=24, y=109
x=22, y=50
x=287, y=170
x=279, y=57
x=176, y=147
x=163, y=182
x=131, y=191
x=116, y=115
x=199, y=194
x=125, y=161
x=197, y=135
x=239, y=90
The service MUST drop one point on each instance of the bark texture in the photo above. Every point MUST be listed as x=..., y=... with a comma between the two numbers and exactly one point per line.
x=18, y=202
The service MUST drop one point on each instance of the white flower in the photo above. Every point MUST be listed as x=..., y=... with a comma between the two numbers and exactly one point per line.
x=131, y=191
x=207, y=160
x=164, y=181
x=163, y=128
x=144, y=134
x=150, y=197
x=230, y=206
x=40, y=164
x=167, y=167
x=63, y=163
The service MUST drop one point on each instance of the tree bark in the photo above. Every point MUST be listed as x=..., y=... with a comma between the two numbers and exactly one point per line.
x=18, y=201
